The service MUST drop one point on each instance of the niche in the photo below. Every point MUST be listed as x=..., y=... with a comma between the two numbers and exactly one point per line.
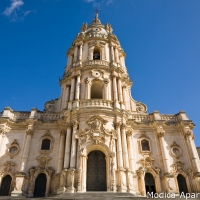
x=97, y=90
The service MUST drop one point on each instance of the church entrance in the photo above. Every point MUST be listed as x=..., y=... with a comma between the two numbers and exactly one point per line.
x=5, y=186
x=96, y=171
x=182, y=184
x=40, y=185
x=149, y=183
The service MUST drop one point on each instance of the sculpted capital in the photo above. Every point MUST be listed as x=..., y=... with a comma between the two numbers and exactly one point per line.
x=117, y=124
x=62, y=132
x=29, y=132
x=123, y=126
x=75, y=123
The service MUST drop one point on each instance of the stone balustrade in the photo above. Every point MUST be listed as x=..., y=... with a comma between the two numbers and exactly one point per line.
x=141, y=118
x=169, y=118
x=20, y=115
x=96, y=62
x=96, y=103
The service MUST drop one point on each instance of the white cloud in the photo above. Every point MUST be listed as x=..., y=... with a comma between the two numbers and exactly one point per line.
x=15, y=5
x=109, y=1
x=97, y=4
x=15, y=12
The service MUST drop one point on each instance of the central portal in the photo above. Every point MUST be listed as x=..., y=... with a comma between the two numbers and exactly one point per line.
x=96, y=171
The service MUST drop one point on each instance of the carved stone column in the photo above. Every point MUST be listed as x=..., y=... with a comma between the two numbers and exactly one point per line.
x=130, y=151
x=120, y=89
x=72, y=89
x=84, y=171
x=61, y=151
x=194, y=156
x=115, y=96
x=74, y=146
x=31, y=183
x=48, y=184
x=119, y=146
x=29, y=134
x=76, y=54
x=63, y=98
x=124, y=146
x=160, y=134
x=141, y=183
x=90, y=53
x=77, y=87
x=87, y=88
x=70, y=180
x=116, y=55
x=112, y=53
x=71, y=92
x=67, y=147
x=124, y=96
x=67, y=96
x=80, y=52
x=106, y=89
x=112, y=175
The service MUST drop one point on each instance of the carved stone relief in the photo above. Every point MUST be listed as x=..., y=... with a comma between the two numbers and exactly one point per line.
x=43, y=161
x=141, y=108
x=49, y=106
x=9, y=168
x=96, y=132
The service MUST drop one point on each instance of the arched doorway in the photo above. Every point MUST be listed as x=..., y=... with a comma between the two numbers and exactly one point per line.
x=40, y=185
x=149, y=183
x=5, y=186
x=182, y=184
x=96, y=171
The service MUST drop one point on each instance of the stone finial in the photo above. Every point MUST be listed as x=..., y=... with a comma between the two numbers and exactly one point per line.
x=96, y=20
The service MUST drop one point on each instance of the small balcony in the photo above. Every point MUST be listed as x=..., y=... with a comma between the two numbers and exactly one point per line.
x=96, y=103
x=96, y=62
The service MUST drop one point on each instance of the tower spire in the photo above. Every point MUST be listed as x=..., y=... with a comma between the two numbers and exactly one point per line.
x=96, y=19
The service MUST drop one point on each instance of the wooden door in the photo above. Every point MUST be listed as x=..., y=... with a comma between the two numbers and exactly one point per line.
x=40, y=185
x=149, y=183
x=96, y=171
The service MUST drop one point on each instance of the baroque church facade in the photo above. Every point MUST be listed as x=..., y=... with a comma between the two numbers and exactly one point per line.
x=95, y=136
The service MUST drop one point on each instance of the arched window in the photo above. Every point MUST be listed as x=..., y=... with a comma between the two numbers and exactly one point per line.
x=46, y=144
x=96, y=53
x=145, y=145
x=97, y=90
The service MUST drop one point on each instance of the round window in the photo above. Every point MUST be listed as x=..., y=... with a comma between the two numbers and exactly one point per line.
x=176, y=151
x=13, y=150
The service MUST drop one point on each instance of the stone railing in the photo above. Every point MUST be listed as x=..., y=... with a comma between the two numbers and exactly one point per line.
x=48, y=116
x=96, y=62
x=20, y=115
x=170, y=118
x=96, y=103
x=142, y=118
x=15, y=116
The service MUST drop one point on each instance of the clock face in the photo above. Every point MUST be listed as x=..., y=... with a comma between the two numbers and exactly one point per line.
x=96, y=74
x=96, y=29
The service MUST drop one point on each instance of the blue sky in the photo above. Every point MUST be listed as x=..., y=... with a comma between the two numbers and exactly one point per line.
x=161, y=39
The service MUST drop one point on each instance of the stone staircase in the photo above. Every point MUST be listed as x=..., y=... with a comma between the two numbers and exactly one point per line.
x=93, y=196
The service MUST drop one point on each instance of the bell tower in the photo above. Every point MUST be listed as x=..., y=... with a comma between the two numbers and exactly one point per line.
x=96, y=73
